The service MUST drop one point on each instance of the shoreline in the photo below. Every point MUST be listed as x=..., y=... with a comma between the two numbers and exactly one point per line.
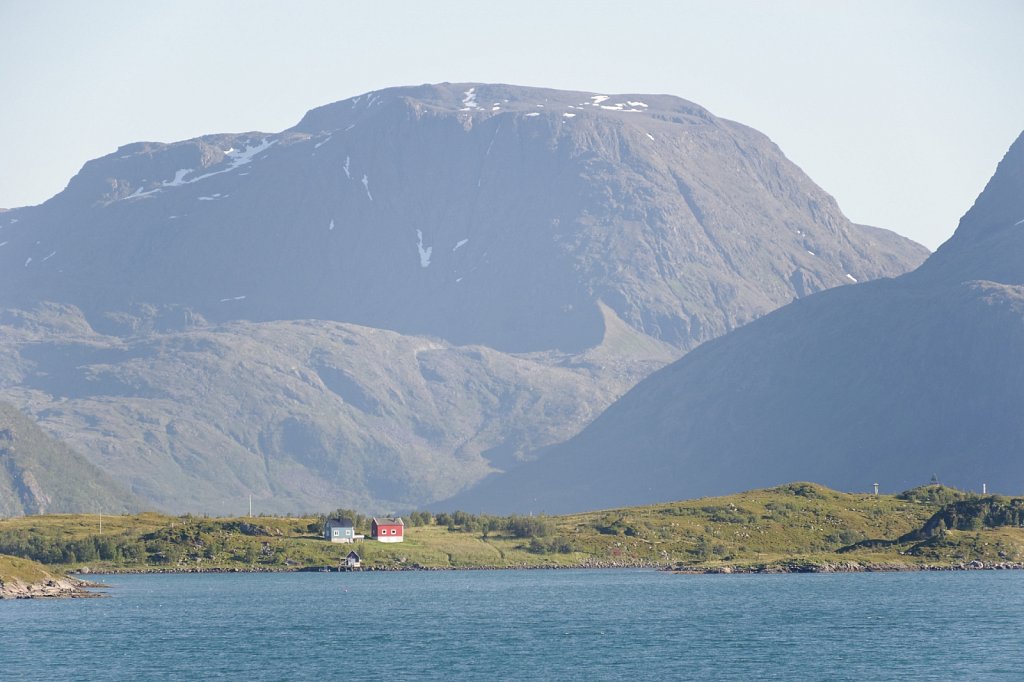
x=58, y=588
x=848, y=567
x=371, y=569
x=770, y=569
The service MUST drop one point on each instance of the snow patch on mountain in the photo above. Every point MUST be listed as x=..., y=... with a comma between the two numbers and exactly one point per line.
x=469, y=100
x=237, y=160
x=424, y=252
x=179, y=177
x=599, y=101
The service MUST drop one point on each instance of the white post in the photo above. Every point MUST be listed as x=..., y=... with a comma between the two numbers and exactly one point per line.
x=876, y=490
x=250, y=506
x=984, y=488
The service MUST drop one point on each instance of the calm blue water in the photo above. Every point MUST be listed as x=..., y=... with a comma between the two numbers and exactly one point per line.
x=515, y=625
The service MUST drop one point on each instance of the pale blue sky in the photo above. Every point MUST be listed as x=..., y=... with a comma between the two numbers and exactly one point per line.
x=901, y=110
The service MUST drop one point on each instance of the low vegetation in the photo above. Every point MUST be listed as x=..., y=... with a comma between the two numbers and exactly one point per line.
x=799, y=526
x=21, y=570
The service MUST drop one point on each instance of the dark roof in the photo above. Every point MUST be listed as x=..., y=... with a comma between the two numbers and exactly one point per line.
x=353, y=555
x=343, y=523
x=389, y=521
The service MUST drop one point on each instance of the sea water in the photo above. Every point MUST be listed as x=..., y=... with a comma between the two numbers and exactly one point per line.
x=524, y=625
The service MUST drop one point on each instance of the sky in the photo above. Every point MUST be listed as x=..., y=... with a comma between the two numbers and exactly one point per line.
x=900, y=109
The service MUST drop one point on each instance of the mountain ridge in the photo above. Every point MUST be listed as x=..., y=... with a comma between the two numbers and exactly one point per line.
x=892, y=381
x=682, y=214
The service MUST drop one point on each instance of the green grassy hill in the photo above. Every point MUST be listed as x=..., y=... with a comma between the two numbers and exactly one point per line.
x=24, y=579
x=22, y=570
x=799, y=526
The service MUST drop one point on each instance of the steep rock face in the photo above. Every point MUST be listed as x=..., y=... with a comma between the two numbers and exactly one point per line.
x=492, y=215
x=40, y=475
x=890, y=382
x=404, y=292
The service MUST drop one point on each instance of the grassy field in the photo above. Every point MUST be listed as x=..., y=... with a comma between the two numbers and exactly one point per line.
x=23, y=570
x=800, y=526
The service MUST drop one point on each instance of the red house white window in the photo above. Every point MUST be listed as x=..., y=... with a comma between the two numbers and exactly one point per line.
x=391, y=529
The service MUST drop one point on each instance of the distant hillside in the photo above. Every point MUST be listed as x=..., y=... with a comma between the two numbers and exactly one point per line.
x=794, y=527
x=890, y=381
x=303, y=415
x=40, y=475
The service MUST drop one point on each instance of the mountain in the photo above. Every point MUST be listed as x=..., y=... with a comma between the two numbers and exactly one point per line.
x=402, y=293
x=40, y=475
x=891, y=381
x=479, y=214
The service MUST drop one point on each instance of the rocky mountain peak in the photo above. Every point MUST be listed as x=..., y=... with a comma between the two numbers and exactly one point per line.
x=989, y=242
x=1000, y=206
x=480, y=101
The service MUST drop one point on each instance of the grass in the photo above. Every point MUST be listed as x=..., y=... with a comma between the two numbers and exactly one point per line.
x=15, y=569
x=799, y=524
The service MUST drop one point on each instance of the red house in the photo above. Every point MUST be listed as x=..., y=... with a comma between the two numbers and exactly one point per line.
x=387, y=530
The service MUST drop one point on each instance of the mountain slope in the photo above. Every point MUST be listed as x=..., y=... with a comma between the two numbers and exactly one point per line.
x=40, y=475
x=302, y=415
x=890, y=381
x=404, y=292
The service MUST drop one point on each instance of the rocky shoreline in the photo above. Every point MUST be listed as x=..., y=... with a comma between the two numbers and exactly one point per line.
x=163, y=570
x=777, y=568
x=847, y=567
x=57, y=588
